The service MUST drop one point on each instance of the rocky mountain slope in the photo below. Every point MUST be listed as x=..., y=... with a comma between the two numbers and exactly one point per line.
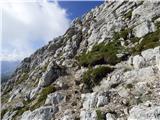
x=105, y=67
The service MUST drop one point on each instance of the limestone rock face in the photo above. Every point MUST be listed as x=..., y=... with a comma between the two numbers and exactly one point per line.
x=8, y=115
x=88, y=115
x=54, y=98
x=43, y=113
x=144, y=28
x=94, y=100
x=51, y=84
x=138, y=62
x=52, y=73
x=144, y=113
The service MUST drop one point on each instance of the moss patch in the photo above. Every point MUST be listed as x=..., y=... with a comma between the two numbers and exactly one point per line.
x=93, y=77
x=100, y=115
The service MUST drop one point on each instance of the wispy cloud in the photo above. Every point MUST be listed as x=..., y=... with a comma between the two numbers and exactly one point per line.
x=27, y=26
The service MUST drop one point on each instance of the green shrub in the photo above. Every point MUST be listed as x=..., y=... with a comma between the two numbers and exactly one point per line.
x=134, y=39
x=151, y=40
x=93, y=76
x=3, y=112
x=122, y=34
x=128, y=15
x=101, y=54
x=154, y=18
x=129, y=86
x=20, y=112
x=100, y=115
x=157, y=25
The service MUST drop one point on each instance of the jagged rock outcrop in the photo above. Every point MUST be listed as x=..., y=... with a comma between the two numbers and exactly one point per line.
x=54, y=98
x=105, y=67
x=144, y=113
x=46, y=113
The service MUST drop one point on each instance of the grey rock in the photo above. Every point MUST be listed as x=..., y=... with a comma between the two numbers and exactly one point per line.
x=68, y=115
x=34, y=92
x=158, y=61
x=52, y=73
x=43, y=113
x=144, y=113
x=144, y=74
x=9, y=115
x=89, y=100
x=144, y=28
x=92, y=100
x=102, y=100
x=18, y=105
x=88, y=115
x=110, y=116
x=14, y=94
x=54, y=98
x=138, y=62
x=123, y=92
x=150, y=55
x=131, y=80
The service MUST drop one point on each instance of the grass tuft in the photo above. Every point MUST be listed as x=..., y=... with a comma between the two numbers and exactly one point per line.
x=93, y=77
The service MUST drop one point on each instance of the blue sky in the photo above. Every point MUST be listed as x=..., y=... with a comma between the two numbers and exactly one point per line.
x=27, y=26
x=78, y=8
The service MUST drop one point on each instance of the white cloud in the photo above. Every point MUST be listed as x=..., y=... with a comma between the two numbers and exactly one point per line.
x=27, y=26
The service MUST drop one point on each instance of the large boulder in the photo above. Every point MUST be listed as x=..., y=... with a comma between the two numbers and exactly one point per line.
x=92, y=100
x=54, y=98
x=53, y=71
x=144, y=113
x=151, y=55
x=138, y=61
x=144, y=28
x=42, y=113
x=143, y=74
x=88, y=115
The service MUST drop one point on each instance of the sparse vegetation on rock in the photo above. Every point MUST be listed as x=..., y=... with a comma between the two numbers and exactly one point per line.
x=101, y=54
x=94, y=75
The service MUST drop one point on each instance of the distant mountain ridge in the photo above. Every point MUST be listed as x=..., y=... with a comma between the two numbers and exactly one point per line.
x=7, y=69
